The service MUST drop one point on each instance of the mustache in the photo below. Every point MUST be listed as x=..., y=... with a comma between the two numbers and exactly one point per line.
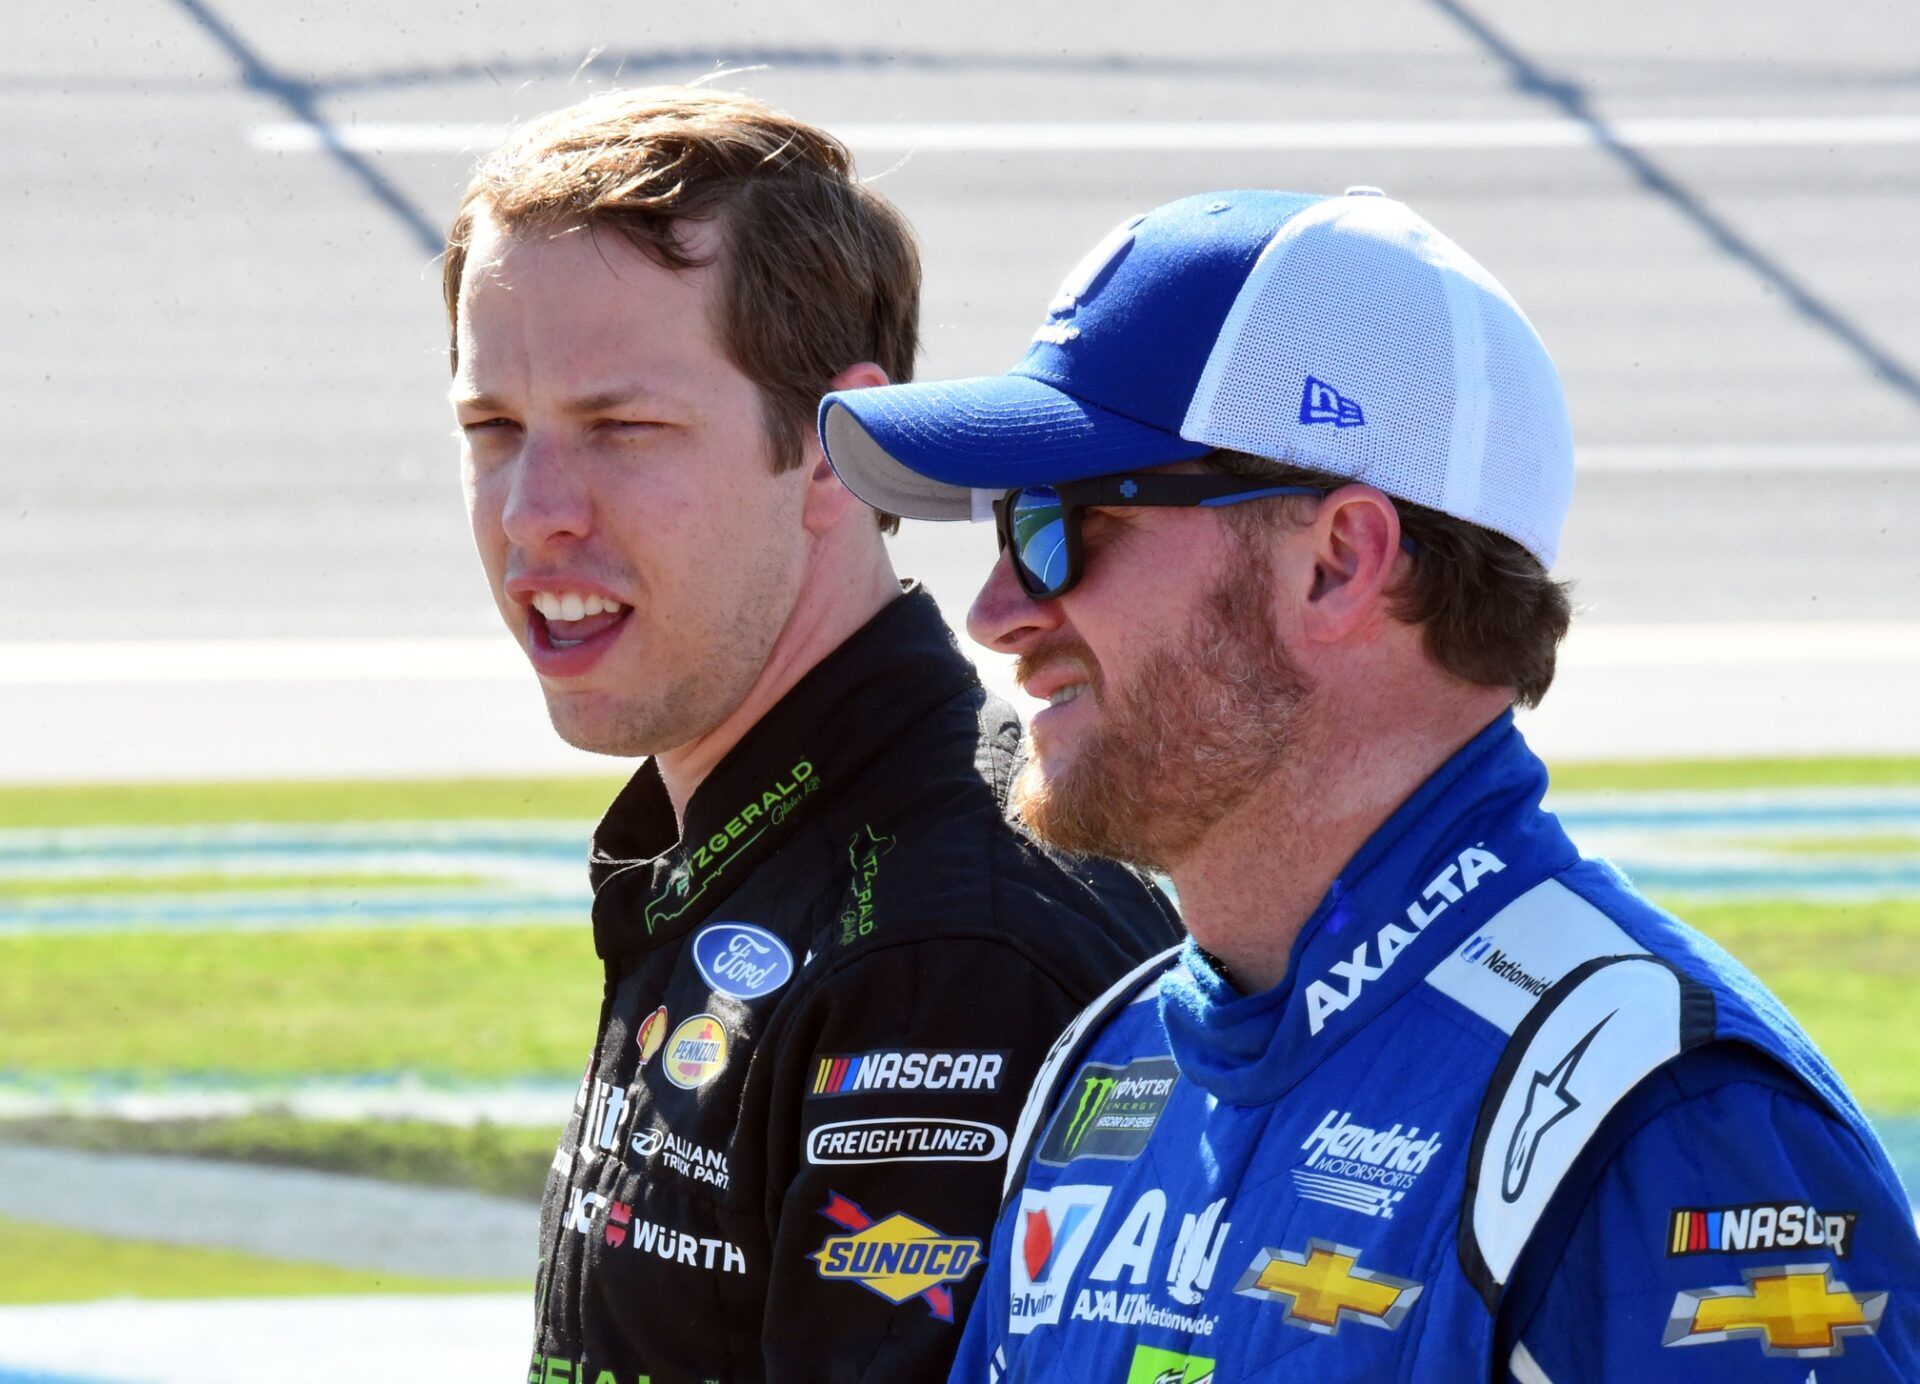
x=1068, y=649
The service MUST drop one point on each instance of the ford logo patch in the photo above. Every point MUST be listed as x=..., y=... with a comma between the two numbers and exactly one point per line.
x=741, y=960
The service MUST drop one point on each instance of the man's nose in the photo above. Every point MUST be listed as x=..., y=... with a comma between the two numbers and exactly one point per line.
x=1004, y=617
x=548, y=495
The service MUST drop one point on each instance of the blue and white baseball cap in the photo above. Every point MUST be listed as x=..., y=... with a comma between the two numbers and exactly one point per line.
x=1339, y=333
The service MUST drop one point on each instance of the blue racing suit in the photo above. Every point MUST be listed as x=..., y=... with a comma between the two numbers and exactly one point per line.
x=1503, y=1119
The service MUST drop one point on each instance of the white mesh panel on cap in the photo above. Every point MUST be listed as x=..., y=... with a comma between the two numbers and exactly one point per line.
x=1458, y=407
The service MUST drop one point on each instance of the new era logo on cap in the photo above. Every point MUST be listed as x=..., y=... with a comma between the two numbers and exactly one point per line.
x=1320, y=402
x=1192, y=328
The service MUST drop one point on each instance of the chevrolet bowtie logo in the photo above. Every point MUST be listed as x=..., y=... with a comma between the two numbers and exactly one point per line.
x=1325, y=1286
x=1794, y=1311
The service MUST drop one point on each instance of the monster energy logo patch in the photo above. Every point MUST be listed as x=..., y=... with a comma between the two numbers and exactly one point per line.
x=707, y=860
x=1109, y=1111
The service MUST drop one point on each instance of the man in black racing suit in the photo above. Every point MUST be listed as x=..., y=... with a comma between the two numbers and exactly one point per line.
x=832, y=964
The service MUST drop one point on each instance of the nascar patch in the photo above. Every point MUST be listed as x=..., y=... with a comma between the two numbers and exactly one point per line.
x=906, y=1069
x=1759, y=1225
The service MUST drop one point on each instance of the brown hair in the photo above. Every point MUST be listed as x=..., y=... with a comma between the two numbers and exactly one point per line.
x=819, y=271
x=1489, y=612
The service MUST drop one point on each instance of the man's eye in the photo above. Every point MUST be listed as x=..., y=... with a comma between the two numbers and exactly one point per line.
x=486, y=425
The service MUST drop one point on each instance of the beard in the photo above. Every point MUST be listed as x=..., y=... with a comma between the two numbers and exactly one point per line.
x=1189, y=737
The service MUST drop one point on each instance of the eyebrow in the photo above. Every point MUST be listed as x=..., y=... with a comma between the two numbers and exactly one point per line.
x=598, y=402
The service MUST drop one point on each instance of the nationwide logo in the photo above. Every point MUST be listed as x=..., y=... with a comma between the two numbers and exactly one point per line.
x=1760, y=1225
x=1130, y=1256
x=697, y=1052
x=1794, y=1311
x=903, y=1069
x=677, y=1155
x=896, y=1257
x=1320, y=402
x=741, y=960
x=1111, y=1112
x=905, y=1139
x=1444, y=890
x=620, y=1228
x=1326, y=1286
x=1151, y=1365
x=651, y=1034
x=1361, y=1168
x=1482, y=951
x=1053, y=1231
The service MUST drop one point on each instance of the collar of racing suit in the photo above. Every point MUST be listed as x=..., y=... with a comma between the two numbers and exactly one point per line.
x=652, y=882
x=1468, y=842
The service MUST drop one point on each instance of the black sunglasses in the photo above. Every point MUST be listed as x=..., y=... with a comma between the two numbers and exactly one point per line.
x=1040, y=524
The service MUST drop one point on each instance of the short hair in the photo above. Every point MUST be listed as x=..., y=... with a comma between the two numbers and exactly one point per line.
x=1489, y=613
x=818, y=272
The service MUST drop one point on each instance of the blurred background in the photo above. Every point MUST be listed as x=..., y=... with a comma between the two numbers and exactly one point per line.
x=294, y=978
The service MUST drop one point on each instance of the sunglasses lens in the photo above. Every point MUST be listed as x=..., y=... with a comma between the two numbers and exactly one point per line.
x=1040, y=538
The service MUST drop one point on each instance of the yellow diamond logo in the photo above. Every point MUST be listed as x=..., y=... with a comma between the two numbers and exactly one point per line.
x=1797, y=1311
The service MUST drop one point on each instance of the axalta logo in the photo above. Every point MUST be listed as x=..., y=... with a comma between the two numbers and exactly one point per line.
x=1111, y=1112
x=1761, y=1225
x=1361, y=1168
x=896, y=1257
x=1447, y=888
x=902, y=1069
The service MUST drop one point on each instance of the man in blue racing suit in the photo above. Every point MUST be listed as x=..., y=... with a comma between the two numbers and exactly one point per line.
x=1427, y=1095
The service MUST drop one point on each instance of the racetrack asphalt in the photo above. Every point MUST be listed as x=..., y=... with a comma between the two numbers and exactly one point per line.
x=226, y=402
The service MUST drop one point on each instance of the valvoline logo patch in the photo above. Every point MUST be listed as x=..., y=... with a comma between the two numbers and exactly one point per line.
x=741, y=960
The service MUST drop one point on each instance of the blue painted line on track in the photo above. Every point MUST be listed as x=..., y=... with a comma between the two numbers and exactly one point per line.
x=11, y=1375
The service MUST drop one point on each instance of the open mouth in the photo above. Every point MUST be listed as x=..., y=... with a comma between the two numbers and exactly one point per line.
x=567, y=631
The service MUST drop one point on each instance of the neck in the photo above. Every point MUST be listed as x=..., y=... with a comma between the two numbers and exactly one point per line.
x=836, y=598
x=1251, y=884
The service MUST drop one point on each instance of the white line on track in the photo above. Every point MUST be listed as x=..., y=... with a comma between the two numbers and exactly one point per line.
x=1045, y=136
x=1733, y=644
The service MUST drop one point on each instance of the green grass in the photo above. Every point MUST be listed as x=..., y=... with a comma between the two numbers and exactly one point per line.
x=482, y=1158
x=462, y=1002
x=47, y=1264
x=1706, y=774
x=171, y=804
x=219, y=882
x=1848, y=973
x=1891, y=843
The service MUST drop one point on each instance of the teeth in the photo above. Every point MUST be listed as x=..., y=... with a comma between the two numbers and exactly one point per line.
x=1066, y=694
x=573, y=605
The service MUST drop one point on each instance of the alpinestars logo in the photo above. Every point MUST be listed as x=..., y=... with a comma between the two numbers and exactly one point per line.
x=1548, y=1102
x=1320, y=402
x=1361, y=1168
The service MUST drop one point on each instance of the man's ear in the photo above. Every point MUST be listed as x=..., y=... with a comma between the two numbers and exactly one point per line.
x=1355, y=548
x=828, y=499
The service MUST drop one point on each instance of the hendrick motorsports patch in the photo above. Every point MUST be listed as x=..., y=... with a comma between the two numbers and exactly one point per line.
x=896, y=1257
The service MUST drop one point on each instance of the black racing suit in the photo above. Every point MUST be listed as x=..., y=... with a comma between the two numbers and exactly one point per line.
x=824, y=1003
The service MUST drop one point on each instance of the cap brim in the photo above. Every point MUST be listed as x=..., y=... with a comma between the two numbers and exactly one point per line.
x=931, y=451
